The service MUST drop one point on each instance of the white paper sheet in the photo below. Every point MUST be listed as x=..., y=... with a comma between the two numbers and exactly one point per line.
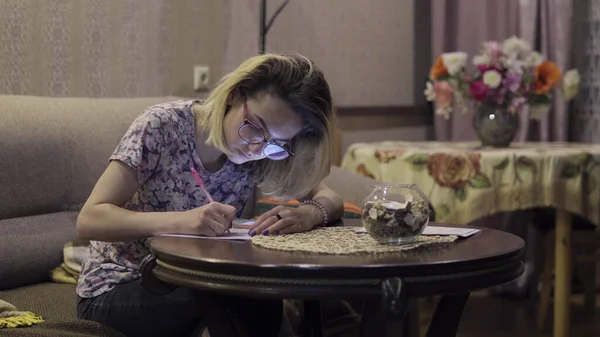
x=436, y=230
x=239, y=234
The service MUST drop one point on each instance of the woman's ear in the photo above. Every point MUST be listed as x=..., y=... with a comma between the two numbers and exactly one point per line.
x=234, y=96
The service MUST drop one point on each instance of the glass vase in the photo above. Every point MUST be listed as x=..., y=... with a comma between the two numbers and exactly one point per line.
x=395, y=214
x=494, y=125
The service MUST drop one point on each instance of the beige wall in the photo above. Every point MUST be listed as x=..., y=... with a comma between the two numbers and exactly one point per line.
x=364, y=47
x=369, y=50
x=105, y=48
x=148, y=47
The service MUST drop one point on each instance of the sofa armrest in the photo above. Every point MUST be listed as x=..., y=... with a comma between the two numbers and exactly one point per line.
x=353, y=188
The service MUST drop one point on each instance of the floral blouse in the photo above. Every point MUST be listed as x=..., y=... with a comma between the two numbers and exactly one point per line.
x=160, y=146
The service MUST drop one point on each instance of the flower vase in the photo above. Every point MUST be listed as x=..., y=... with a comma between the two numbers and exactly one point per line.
x=494, y=125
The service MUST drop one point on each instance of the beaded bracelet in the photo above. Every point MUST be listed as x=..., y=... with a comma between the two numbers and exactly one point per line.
x=319, y=206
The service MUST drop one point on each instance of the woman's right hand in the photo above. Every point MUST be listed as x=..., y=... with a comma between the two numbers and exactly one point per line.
x=103, y=217
x=211, y=220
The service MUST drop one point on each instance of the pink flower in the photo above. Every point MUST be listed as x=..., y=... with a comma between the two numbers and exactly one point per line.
x=444, y=94
x=494, y=50
x=479, y=91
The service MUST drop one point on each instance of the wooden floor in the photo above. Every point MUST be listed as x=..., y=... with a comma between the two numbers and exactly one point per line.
x=495, y=316
x=498, y=317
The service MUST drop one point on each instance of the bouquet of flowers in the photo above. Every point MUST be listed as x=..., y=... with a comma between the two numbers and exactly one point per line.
x=508, y=74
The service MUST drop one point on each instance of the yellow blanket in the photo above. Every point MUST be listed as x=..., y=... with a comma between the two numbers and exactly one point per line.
x=10, y=317
x=68, y=271
x=64, y=274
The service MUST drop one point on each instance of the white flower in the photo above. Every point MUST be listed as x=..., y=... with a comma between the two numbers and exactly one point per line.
x=538, y=111
x=534, y=59
x=429, y=92
x=481, y=59
x=514, y=65
x=571, y=77
x=492, y=79
x=515, y=46
x=454, y=62
x=444, y=111
x=570, y=85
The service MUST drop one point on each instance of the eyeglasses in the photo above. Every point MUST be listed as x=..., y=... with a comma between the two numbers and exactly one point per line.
x=253, y=134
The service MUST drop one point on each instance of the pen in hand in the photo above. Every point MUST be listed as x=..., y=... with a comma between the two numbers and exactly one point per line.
x=201, y=183
x=205, y=191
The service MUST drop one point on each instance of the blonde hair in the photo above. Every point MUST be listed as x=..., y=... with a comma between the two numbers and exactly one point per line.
x=297, y=81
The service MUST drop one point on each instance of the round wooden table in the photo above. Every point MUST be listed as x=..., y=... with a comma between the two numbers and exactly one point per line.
x=385, y=282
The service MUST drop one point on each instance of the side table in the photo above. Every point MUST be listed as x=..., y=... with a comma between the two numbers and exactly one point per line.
x=386, y=282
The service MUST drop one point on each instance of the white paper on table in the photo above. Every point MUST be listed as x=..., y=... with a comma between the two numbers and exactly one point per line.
x=239, y=234
x=246, y=223
x=436, y=230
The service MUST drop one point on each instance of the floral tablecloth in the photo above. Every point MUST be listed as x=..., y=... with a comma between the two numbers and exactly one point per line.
x=465, y=182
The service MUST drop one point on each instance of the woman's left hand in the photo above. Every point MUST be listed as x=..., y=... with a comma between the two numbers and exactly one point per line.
x=290, y=220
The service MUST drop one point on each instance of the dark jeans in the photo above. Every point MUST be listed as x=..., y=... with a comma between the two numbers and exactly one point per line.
x=135, y=311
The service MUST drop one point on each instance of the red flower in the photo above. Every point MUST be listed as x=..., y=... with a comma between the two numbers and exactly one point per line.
x=479, y=91
x=485, y=67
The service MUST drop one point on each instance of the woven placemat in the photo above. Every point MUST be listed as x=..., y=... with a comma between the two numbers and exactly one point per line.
x=341, y=241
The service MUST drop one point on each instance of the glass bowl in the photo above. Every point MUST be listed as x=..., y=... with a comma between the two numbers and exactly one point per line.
x=395, y=214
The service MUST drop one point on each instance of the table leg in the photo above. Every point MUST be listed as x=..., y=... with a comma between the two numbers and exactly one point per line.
x=562, y=278
x=387, y=317
x=373, y=319
x=447, y=315
x=216, y=316
x=411, y=326
x=589, y=279
x=313, y=326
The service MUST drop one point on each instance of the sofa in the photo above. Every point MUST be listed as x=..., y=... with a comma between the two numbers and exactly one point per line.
x=52, y=151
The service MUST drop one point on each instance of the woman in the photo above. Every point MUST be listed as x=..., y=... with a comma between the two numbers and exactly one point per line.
x=266, y=124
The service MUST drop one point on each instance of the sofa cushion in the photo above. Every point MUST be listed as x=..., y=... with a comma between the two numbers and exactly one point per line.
x=57, y=304
x=30, y=247
x=53, y=149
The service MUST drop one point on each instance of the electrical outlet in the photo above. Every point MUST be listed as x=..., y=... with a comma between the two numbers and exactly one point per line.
x=201, y=78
